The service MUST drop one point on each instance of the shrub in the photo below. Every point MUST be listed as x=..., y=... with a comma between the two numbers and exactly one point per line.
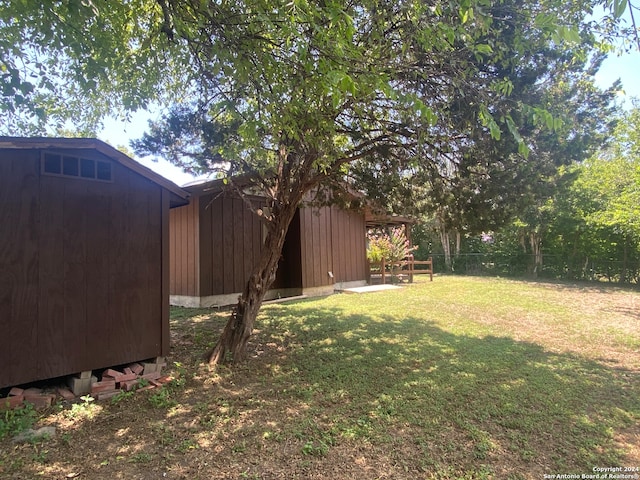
x=393, y=246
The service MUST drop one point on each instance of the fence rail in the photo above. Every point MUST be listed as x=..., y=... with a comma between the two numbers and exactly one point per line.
x=399, y=269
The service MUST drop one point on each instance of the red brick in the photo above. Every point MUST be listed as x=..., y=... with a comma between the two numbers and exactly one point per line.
x=66, y=393
x=16, y=392
x=10, y=402
x=148, y=387
x=107, y=394
x=127, y=371
x=126, y=377
x=165, y=379
x=110, y=374
x=129, y=385
x=103, y=386
x=32, y=391
x=39, y=401
x=136, y=368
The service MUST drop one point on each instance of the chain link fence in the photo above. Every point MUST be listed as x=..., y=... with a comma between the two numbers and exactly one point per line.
x=553, y=267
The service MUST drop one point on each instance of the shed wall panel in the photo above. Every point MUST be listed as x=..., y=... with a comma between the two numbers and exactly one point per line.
x=216, y=247
x=184, y=250
x=19, y=197
x=51, y=325
x=317, y=254
x=240, y=211
x=205, y=233
x=228, y=240
x=81, y=277
x=349, y=245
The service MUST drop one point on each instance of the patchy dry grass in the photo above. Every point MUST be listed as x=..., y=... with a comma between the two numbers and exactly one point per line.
x=462, y=378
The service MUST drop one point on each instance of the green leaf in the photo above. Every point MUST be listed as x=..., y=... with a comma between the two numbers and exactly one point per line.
x=484, y=49
x=619, y=7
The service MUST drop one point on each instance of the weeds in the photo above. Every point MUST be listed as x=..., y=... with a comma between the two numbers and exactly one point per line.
x=15, y=421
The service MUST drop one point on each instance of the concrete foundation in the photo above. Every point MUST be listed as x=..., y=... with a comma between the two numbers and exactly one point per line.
x=81, y=385
x=282, y=293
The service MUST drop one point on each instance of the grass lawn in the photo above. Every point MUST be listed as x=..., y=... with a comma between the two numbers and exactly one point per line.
x=462, y=378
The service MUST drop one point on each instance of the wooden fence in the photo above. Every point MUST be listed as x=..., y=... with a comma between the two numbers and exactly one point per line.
x=399, y=270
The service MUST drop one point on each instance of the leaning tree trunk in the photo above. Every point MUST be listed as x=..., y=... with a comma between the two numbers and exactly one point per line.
x=232, y=344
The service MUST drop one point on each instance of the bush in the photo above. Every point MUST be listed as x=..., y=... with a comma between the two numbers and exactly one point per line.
x=392, y=246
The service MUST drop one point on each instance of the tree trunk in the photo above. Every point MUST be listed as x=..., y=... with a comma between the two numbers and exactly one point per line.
x=536, y=249
x=232, y=344
x=446, y=247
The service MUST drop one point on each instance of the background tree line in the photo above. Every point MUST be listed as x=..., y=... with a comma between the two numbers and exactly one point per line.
x=585, y=226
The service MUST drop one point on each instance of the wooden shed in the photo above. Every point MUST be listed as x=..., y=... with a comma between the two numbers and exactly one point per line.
x=84, y=258
x=216, y=240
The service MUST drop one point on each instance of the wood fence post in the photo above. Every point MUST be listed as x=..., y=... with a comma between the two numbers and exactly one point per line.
x=431, y=269
x=411, y=267
x=382, y=269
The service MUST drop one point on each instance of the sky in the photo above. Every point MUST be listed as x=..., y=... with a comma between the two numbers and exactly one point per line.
x=626, y=67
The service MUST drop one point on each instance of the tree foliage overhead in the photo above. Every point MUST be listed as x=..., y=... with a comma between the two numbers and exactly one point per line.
x=78, y=61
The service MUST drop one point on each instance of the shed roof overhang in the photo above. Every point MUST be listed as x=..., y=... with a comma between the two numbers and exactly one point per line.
x=178, y=196
x=375, y=219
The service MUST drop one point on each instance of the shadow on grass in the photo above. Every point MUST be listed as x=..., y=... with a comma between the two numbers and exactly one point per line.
x=496, y=398
x=329, y=394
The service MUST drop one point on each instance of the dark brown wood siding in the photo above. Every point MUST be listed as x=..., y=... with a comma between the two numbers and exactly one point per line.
x=19, y=268
x=348, y=240
x=230, y=242
x=80, y=270
x=184, y=245
x=316, y=251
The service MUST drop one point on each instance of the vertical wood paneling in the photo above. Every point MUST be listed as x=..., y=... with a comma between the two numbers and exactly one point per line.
x=336, y=238
x=51, y=318
x=348, y=245
x=306, y=230
x=203, y=206
x=239, y=212
x=172, y=249
x=231, y=239
x=317, y=253
x=321, y=250
x=73, y=265
x=194, y=246
x=228, y=239
x=185, y=240
x=216, y=246
x=83, y=270
x=250, y=221
x=164, y=272
x=18, y=265
x=257, y=237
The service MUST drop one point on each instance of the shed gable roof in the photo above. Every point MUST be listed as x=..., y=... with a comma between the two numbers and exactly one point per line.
x=178, y=195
